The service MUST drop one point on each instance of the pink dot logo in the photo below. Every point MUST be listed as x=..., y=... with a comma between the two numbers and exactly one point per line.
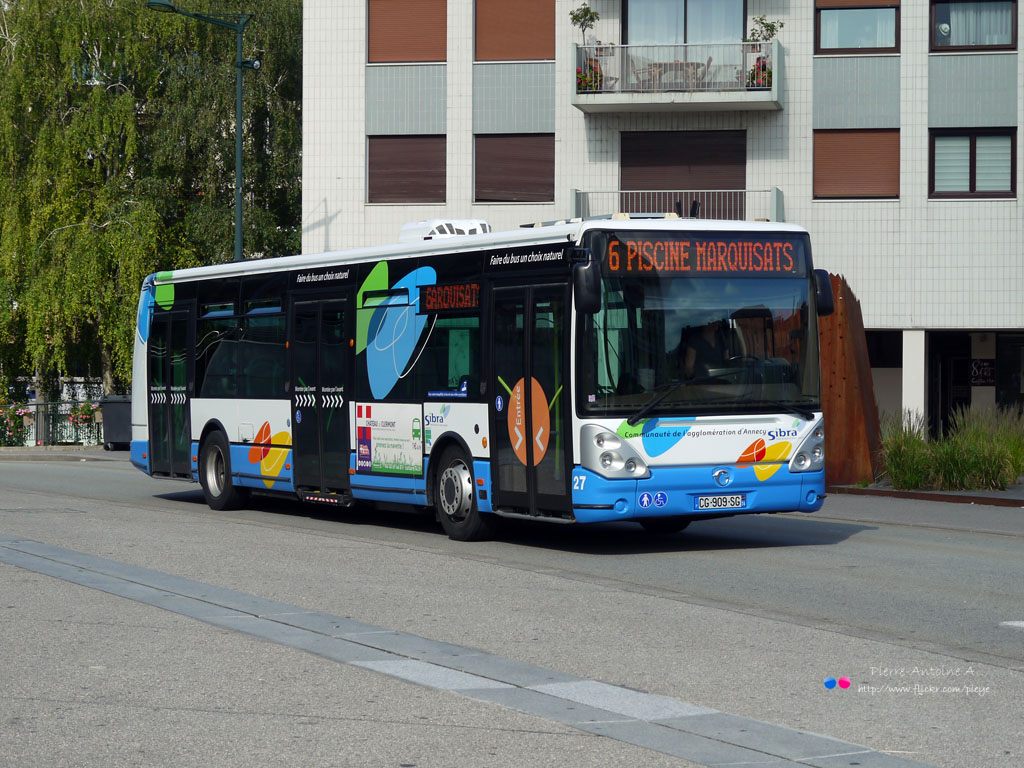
x=844, y=682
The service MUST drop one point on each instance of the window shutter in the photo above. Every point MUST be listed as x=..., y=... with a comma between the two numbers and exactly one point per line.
x=857, y=163
x=408, y=30
x=519, y=31
x=515, y=168
x=406, y=169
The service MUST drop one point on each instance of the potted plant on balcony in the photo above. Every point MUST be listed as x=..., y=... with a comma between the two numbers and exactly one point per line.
x=589, y=77
x=763, y=31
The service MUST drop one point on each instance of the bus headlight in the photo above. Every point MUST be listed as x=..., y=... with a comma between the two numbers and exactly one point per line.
x=610, y=455
x=810, y=455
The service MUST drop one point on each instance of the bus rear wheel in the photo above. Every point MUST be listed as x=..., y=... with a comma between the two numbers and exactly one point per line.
x=215, y=474
x=664, y=525
x=455, y=499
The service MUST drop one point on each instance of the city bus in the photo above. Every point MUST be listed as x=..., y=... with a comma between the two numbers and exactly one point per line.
x=654, y=370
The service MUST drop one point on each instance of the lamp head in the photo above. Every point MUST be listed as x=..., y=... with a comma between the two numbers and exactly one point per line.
x=164, y=6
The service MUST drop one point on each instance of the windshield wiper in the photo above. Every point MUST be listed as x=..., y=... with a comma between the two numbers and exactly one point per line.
x=671, y=386
x=805, y=414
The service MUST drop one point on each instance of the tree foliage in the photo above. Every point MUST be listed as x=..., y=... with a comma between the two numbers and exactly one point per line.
x=117, y=140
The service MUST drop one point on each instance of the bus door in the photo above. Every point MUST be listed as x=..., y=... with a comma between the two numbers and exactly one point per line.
x=169, y=426
x=320, y=371
x=531, y=459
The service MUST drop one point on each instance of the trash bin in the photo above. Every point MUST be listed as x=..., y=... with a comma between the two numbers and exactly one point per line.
x=117, y=422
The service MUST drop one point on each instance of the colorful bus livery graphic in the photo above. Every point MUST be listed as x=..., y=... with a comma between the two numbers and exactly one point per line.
x=648, y=370
x=267, y=454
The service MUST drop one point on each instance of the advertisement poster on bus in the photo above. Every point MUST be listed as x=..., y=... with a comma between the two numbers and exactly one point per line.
x=389, y=439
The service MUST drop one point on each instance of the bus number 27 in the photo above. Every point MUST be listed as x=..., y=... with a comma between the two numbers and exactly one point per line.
x=578, y=481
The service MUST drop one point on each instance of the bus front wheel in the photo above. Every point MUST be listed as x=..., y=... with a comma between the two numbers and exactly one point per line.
x=455, y=499
x=215, y=474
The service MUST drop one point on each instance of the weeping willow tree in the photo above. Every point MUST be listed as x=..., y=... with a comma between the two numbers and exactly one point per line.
x=117, y=131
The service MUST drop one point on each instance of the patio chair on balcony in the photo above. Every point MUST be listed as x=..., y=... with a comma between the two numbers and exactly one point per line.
x=605, y=81
x=644, y=78
x=702, y=75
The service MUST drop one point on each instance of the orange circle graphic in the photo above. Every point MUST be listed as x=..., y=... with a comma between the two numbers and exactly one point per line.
x=539, y=430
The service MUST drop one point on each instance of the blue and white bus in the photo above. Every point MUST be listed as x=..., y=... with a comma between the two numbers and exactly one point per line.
x=659, y=371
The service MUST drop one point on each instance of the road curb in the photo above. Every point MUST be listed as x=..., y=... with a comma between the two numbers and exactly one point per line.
x=947, y=496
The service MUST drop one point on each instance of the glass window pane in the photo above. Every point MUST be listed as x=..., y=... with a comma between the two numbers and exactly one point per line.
x=974, y=23
x=655, y=22
x=858, y=28
x=952, y=163
x=714, y=21
x=993, y=159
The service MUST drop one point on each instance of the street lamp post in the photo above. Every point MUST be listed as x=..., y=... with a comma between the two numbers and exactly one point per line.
x=237, y=22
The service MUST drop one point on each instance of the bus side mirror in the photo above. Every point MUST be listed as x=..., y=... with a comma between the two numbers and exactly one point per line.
x=586, y=284
x=823, y=293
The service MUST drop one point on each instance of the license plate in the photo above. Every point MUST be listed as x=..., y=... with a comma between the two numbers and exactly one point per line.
x=732, y=501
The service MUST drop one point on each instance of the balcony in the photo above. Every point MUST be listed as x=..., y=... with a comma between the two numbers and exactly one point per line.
x=737, y=205
x=679, y=78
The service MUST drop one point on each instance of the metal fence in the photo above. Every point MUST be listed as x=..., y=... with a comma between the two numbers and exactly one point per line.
x=674, y=68
x=57, y=423
x=739, y=204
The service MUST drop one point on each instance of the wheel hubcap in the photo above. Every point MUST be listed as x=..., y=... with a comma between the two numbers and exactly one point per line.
x=215, y=471
x=455, y=491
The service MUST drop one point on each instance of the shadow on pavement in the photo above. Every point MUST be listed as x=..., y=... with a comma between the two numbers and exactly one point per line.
x=616, y=538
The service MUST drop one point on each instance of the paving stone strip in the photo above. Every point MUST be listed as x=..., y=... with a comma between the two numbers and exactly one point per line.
x=700, y=735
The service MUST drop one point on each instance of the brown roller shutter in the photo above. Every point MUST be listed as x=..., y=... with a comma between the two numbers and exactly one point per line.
x=856, y=3
x=524, y=30
x=515, y=168
x=406, y=169
x=857, y=163
x=685, y=161
x=408, y=30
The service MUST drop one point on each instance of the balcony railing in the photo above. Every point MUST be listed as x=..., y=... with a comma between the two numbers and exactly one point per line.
x=692, y=68
x=738, y=205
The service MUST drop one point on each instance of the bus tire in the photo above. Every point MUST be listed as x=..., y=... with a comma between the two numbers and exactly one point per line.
x=215, y=474
x=455, y=499
x=664, y=525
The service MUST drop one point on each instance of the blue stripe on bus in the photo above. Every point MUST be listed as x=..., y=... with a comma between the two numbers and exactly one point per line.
x=138, y=448
x=482, y=471
x=400, y=490
x=250, y=475
x=596, y=499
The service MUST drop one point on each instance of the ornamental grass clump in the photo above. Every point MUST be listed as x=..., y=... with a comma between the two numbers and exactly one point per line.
x=979, y=451
x=906, y=453
x=983, y=449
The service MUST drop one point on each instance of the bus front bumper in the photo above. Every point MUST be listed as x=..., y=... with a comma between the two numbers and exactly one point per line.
x=677, y=491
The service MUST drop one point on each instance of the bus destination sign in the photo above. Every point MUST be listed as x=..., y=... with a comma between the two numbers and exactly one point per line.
x=449, y=298
x=699, y=256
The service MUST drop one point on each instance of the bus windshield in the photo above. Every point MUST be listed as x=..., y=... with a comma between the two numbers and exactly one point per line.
x=668, y=344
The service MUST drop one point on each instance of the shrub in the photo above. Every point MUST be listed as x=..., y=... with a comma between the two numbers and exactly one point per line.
x=906, y=454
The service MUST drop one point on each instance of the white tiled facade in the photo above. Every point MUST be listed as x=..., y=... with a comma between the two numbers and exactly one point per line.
x=915, y=264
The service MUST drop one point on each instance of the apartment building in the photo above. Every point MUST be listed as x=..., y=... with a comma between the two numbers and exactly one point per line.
x=889, y=129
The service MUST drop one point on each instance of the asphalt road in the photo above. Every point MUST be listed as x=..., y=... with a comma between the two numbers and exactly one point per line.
x=746, y=616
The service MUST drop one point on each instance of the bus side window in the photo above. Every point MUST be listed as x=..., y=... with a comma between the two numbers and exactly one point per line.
x=216, y=357
x=451, y=356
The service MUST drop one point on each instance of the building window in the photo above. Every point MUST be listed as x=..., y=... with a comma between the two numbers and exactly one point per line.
x=407, y=30
x=673, y=22
x=857, y=164
x=874, y=28
x=520, y=31
x=978, y=163
x=406, y=169
x=973, y=24
x=515, y=168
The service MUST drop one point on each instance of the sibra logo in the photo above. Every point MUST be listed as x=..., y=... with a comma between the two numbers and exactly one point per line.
x=775, y=434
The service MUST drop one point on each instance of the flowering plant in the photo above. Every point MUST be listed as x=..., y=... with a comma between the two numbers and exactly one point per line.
x=589, y=79
x=83, y=413
x=12, y=424
x=760, y=75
